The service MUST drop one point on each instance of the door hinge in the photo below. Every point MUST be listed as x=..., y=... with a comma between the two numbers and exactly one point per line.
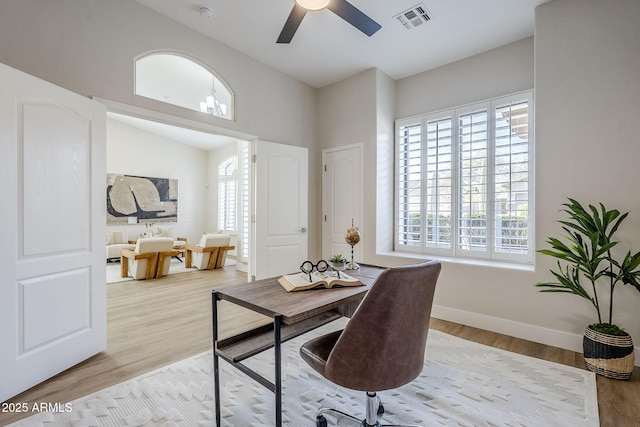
x=253, y=158
x=325, y=168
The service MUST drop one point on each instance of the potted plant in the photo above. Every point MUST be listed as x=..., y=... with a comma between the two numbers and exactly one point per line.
x=337, y=262
x=588, y=268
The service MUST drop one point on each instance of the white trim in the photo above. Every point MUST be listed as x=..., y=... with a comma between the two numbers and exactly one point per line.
x=155, y=116
x=539, y=334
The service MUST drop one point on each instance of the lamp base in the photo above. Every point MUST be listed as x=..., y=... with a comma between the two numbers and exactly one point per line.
x=352, y=265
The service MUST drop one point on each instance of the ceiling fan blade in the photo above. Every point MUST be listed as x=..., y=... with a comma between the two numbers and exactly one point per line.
x=292, y=24
x=354, y=16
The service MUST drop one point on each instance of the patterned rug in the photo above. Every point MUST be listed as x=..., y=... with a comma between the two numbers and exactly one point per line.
x=462, y=384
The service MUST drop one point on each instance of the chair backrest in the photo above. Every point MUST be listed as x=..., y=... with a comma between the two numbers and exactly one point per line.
x=211, y=240
x=138, y=268
x=154, y=244
x=383, y=345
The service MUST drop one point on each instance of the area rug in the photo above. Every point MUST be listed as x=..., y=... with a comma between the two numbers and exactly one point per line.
x=176, y=267
x=462, y=384
x=114, y=275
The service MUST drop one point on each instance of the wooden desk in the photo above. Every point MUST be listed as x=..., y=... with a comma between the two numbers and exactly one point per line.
x=293, y=314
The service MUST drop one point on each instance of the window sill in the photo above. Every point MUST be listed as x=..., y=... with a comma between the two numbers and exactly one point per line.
x=465, y=261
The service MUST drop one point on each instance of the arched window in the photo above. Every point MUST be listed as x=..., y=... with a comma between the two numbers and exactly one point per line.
x=178, y=80
x=227, y=186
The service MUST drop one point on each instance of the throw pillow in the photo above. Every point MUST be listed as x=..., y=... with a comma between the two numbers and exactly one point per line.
x=116, y=237
x=167, y=232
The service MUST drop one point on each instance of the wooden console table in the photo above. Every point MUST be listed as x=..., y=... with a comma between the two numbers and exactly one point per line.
x=293, y=314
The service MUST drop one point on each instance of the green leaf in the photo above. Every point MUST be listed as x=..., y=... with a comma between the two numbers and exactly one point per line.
x=584, y=252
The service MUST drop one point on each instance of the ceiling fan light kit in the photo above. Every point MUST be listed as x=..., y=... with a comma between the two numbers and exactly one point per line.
x=342, y=8
x=313, y=4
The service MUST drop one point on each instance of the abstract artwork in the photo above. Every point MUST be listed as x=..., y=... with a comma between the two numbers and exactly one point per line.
x=134, y=199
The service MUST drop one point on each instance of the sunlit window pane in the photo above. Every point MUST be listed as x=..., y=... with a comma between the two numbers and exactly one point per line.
x=464, y=181
x=177, y=80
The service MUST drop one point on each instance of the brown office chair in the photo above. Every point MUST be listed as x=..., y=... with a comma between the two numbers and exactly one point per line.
x=383, y=345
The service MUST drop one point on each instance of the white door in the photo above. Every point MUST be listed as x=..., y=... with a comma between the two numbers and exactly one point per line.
x=52, y=251
x=342, y=199
x=280, y=210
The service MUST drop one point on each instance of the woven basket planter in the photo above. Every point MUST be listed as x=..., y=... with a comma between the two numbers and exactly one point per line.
x=611, y=356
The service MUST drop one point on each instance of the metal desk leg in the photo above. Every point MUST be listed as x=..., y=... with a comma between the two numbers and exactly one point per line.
x=216, y=371
x=277, y=325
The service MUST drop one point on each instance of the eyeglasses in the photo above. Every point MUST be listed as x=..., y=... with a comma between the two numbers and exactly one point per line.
x=321, y=266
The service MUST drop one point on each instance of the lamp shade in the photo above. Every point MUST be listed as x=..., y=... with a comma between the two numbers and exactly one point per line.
x=313, y=4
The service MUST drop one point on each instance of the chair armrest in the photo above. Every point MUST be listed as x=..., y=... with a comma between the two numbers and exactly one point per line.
x=161, y=257
x=134, y=256
x=220, y=257
x=169, y=253
x=193, y=248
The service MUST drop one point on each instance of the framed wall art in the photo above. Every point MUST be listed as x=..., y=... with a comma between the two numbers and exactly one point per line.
x=134, y=199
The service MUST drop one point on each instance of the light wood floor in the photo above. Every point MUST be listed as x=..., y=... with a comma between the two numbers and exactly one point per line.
x=153, y=323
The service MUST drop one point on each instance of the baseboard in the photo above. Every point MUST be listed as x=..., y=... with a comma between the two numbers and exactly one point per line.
x=525, y=331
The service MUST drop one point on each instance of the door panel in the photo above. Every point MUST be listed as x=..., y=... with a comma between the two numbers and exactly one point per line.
x=40, y=301
x=52, y=285
x=68, y=227
x=342, y=195
x=281, y=209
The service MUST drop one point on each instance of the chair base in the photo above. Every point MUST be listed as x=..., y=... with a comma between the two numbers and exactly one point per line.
x=374, y=408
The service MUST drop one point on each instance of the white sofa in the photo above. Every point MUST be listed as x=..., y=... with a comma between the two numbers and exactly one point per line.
x=179, y=243
x=117, y=240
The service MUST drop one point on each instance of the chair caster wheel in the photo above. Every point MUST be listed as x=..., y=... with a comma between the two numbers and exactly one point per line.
x=380, y=409
x=321, y=421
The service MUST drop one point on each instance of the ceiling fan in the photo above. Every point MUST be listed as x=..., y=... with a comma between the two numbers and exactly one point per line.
x=342, y=8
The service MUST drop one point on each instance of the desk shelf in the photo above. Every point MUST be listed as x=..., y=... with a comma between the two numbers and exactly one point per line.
x=250, y=343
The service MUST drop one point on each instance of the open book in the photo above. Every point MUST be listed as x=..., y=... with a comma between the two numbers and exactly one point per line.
x=300, y=281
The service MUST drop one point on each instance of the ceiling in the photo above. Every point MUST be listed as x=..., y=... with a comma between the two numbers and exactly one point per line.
x=202, y=140
x=327, y=49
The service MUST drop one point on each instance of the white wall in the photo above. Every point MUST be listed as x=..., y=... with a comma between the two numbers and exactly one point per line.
x=133, y=151
x=494, y=73
x=347, y=115
x=587, y=141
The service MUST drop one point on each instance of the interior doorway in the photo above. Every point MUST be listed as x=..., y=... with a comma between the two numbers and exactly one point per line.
x=341, y=199
x=197, y=174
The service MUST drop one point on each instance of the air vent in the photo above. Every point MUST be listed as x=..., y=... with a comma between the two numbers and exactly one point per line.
x=414, y=16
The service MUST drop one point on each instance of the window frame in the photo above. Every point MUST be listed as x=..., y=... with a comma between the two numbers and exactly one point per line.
x=227, y=205
x=157, y=90
x=491, y=251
